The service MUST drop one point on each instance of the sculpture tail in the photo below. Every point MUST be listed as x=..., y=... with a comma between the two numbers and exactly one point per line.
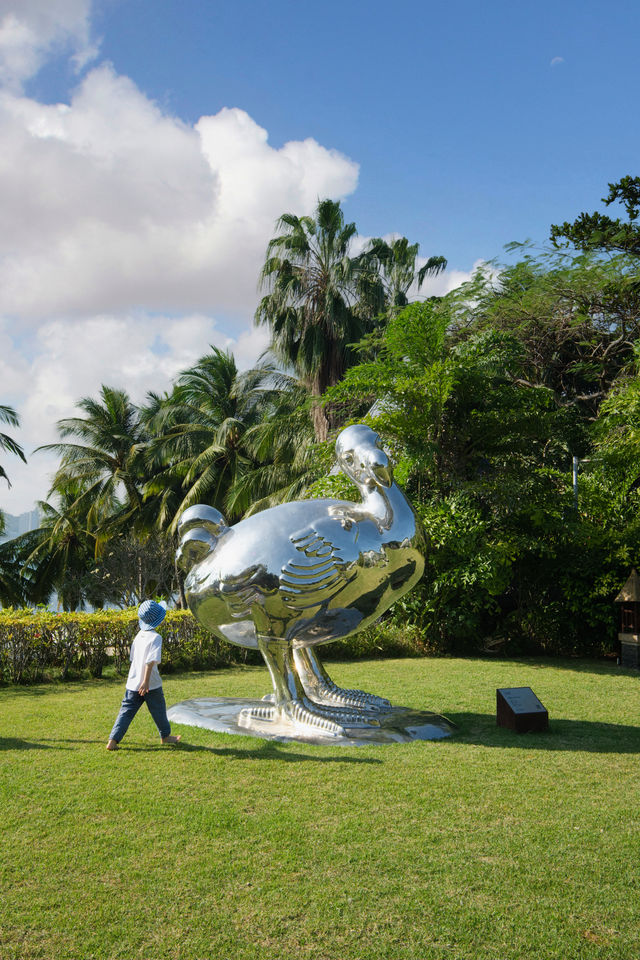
x=199, y=528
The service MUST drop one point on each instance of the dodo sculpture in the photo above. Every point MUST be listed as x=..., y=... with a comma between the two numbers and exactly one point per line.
x=304, y=573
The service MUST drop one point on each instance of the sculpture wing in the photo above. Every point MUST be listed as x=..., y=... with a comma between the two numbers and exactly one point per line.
x=323, y=562
x=241, y=591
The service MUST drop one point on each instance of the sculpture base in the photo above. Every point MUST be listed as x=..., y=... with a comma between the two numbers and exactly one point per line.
x=222, y=714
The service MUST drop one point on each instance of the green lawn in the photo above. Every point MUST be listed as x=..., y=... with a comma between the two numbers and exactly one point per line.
x=488, y=846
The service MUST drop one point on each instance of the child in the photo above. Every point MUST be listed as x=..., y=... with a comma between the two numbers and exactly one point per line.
x=143, y=683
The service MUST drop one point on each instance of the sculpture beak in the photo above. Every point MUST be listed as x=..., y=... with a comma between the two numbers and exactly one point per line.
x=382, y=469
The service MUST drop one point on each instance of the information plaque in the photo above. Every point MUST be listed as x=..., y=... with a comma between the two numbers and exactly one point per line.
x=519, y=709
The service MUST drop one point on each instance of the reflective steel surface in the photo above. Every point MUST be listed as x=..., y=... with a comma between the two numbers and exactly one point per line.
x=227, y=715
x=301, y=574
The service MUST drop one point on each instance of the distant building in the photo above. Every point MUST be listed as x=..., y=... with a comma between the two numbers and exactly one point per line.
x=14, y=526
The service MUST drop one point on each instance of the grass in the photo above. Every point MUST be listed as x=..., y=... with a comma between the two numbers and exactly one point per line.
x=488, y=846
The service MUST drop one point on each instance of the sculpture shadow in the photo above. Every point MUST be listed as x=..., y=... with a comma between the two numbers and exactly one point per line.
x=590, y=736
x=266, y=750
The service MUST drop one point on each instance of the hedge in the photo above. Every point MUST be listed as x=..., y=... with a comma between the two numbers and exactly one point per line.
x=39, y=644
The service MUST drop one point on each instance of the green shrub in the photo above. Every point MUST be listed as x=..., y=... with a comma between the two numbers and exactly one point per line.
x=38, y=644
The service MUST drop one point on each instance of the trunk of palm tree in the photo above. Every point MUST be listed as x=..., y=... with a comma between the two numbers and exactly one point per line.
x=326, y=416
x=320, y=421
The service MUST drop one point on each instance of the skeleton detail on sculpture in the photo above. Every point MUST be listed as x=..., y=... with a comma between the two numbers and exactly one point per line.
x=302, y=574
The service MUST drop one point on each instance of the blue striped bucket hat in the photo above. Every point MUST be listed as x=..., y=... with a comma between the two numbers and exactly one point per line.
x=151, y=614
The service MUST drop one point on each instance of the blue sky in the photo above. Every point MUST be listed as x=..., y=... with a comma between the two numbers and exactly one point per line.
x=150, y=145
x=473, y=124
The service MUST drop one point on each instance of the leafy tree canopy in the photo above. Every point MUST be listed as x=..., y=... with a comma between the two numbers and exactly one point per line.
x=597, y=231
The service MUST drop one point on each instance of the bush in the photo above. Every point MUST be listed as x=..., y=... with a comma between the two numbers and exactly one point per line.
x=38, y=644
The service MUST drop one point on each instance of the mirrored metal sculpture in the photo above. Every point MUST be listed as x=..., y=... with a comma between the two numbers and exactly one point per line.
x=296, y=576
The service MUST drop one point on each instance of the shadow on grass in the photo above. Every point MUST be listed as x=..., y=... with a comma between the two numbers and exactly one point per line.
x=265, y=751
x=15, y=743
x=570, y=735
x=48, y=688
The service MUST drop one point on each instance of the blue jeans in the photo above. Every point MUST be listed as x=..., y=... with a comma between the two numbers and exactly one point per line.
x=131, y=703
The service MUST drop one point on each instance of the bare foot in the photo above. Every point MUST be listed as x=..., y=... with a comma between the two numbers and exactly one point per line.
x=172, y=739
x=113, y=745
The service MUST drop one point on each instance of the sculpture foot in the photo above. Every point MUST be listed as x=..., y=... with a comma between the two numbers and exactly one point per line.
x=292, y=714
x=329, y=694
x=339, y=713
x=346, y=717
x=320, y=688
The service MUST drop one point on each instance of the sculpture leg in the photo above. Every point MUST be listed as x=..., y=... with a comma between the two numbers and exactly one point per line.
x=321, y=690
x=289, y=705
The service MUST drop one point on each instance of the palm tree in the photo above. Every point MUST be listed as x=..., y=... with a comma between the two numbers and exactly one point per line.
x=59, y=555
x=8, y=415
x=396, y=265
x=279, y=444
x=196, y=447
x=13, y=587
x=321, y=300
x=313, y=285
x=106, y=463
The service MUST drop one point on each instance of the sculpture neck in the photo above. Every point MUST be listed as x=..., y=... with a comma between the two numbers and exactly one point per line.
x=386, y=504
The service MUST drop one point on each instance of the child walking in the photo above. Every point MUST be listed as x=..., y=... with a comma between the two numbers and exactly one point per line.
x=144, y=684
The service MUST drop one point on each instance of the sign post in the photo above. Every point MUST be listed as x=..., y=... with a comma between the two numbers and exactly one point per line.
x=519, y=709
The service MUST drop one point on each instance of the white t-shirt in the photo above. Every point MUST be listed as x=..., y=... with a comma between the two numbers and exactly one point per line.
x=146, y=648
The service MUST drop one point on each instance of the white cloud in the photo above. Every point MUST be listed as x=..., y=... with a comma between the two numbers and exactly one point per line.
x=108, y=202
x=71, y=359
x=446, y=281
x=124, y=232
x=556, y=61
x=31, y=30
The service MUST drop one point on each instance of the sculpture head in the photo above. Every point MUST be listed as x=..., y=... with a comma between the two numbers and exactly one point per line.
x=360, y=456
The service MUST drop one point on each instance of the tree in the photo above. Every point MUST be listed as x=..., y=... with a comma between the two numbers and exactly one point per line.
x=280, y=445
x=8, y=415
x=59, y=555
x=197, y=450
x=396, y=264
x=131, y=569
x=577, y=317
x=312, y=282
x=597, y=231
x=106, y=465
x=484, y=456
x=322, y=299
x=617, y=430
x=13, y=587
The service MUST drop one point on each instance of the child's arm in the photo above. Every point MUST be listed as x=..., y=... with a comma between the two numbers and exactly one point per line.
x=144, y=686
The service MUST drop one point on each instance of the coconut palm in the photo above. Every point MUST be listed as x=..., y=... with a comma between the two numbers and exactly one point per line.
x=321, y=300
x=105, y=463
x=234, y=440
x=279, y=444
x=8, y=415
x=13, y=587
x=59, y=555
x=314, y=284
x=196, y=447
